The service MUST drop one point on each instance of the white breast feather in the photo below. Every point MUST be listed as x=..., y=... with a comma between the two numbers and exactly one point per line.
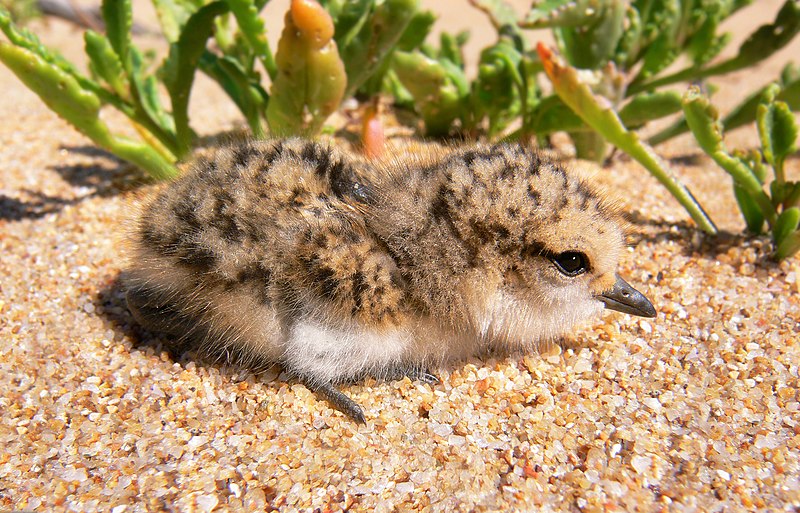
x=331, y=354
x=506, y=320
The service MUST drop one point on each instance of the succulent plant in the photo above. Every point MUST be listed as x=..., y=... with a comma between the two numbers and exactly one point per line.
x=309, y=77
x=642, y=38
x=78, y=99
x=779, y=204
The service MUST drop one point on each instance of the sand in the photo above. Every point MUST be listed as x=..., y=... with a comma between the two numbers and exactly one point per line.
x=695, y=410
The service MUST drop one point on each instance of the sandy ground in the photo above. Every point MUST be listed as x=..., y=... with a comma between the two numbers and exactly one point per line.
x=696, y=410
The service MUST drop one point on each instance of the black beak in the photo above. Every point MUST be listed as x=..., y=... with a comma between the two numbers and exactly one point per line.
x=624, y=298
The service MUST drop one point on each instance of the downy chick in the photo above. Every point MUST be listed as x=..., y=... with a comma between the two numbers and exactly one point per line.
x=291, y=251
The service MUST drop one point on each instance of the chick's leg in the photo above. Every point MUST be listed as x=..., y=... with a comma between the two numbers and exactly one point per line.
x=337, y=399
x=321, y=355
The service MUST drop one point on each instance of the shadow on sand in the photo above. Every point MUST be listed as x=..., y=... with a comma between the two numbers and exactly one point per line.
x=104, y=176
x=693, y=242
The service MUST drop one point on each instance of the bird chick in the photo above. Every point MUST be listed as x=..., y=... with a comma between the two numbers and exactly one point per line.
x=293, y=252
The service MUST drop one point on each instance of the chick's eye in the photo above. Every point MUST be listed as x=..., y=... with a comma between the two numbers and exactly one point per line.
x=571, y=263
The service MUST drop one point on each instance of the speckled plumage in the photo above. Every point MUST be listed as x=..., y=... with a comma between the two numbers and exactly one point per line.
x=291, y=251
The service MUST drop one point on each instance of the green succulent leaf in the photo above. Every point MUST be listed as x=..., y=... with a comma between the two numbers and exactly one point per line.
x=703, y=120
x=789, y=246
x=173, y=15
x=744, y=112
x=438, y=89
x=392, y=87
x=705, y=44
x=589, y=145
x=778, y=191
x=786, y=224
x=658, y=57
x=593, y=47
x=179, y=67
x=22, y=11
x=749, y=208
x=760, y=45
x=661, y=32
x=349, y=18
x=58, y=89
x=790, y=93
x=496, y=90
x=146, y=96
x=118, y=18
x=587, y=31
x=790, y=73
x=23, y=38
x=631, y=41
x=564, y=13
x=778, y=134
x=417, y=30
x=792, y=194
x=80, y=107
x=244, y=90
x=776, y=129
x=649, y=106
x=754, y=160
x=105, y=63
x=252, y=26
x=450, y=47
x=552, y=115
x=691, y=26
x=383, y=79
x=26, y=40
x=369, y=40
x=704, y=124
